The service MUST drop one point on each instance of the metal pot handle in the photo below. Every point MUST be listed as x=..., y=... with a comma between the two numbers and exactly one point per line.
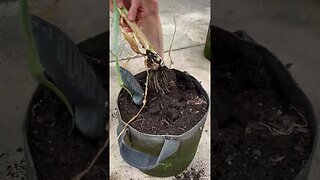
x=142, y=160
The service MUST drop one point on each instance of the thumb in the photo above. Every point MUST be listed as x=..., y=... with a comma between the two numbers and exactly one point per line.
x=120, y=3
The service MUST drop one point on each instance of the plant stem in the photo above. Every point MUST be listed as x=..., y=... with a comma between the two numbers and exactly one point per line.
x=116, y=18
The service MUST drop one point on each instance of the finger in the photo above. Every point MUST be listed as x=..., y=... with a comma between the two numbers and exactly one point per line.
x=139, y=22
x=111, y=5
x=127, y=4
x=120, y=3
x=140, y=14
x=133, y=12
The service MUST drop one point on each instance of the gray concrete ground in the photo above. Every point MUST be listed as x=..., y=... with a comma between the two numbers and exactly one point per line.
x=192, y=19
x=16, y=86
x=290, y=29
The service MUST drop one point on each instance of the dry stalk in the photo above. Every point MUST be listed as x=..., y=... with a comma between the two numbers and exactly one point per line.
x=275, y=131
x=131, y=41
x=174, y=34
x=135, y=28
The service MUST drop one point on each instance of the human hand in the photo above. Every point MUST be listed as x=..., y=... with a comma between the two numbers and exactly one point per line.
x=146, y=14
x=138, y=10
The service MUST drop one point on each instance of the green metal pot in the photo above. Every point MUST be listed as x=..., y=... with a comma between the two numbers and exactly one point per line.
x=161, y=155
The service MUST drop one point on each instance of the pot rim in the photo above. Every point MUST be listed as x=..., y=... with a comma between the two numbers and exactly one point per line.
x=203, y=118
x=31, y=169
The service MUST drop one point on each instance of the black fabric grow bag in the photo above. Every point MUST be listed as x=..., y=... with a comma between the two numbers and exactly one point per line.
x=93, y=49
x=240, y=42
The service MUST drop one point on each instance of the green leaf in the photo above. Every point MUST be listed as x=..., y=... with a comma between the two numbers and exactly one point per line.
x=67, y=73
x=133, y=86
x=116, y=18
x=34, y=64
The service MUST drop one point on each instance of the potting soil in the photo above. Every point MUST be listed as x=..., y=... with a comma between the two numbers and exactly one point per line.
x=246, y=101
x=173, y=113
x=56, y=154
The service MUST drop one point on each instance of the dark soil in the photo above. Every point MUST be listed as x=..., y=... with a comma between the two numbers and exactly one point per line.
x=56, y=154
x=173, y=113
x=246, y=98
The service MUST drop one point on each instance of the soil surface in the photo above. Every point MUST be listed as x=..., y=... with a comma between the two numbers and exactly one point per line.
x=173, y=113
x=256, y=133
x=56, y=154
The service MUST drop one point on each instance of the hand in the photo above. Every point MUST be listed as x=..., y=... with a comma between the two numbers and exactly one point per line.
x=138, y=10
x=146, y=14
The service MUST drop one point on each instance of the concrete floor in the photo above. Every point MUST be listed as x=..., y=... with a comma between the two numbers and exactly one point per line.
x=187, y=54
x=16, y=86
x=290, y=29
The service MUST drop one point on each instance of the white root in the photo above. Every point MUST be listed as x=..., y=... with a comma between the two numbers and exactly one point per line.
x=272, y=127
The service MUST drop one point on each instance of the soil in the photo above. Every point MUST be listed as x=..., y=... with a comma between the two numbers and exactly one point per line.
x=172, y=113
x=56, y=154
x=247, y=100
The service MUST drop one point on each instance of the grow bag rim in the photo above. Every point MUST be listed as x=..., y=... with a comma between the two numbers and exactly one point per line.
x=25, y=133
x=165, y=136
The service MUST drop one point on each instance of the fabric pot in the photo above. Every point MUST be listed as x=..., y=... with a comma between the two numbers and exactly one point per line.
x=240, y=42
x=161, y=155
x=30, y=168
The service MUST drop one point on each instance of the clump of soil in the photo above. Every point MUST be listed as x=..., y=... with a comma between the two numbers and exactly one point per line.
x=190, y=174
x=56, y=154
x=172, y=113
x=246, y=102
